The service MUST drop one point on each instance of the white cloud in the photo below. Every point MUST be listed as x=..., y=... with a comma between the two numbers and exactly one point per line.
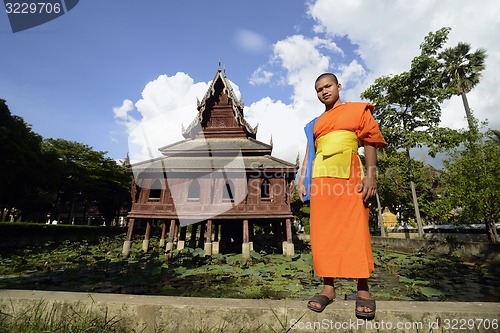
x=353, y=72
x=169, y=101
x=167, y=104
x=281, y=122
x=121, y=112
x=167, y=94
x=250, y=41
x=303, y=61
x=388, y=35
x=260, y=76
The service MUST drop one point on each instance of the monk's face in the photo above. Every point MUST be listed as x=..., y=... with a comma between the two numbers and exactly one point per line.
x=328, y=91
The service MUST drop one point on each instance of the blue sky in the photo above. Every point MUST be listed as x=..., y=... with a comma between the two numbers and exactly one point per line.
x=108, y=68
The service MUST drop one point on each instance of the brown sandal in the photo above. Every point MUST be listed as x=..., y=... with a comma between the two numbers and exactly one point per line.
x=369, y=303
x=322, y=300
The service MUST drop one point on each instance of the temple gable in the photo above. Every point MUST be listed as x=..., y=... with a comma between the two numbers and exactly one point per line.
x=220, y=113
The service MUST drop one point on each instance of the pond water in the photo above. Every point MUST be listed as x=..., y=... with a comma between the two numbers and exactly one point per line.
x=84, y=267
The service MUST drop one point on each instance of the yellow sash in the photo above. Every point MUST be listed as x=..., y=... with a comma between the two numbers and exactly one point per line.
x=334, y=153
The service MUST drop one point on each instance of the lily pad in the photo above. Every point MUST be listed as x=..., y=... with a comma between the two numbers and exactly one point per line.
x=430, y=292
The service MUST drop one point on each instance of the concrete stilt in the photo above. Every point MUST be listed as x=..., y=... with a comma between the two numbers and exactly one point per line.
x=245, y=250
x=126, y=248
x=171, y=236
x=147, y=236
x=208, y=249
x=245, y=247
x=215, y=248
x=215, y=243
x=289, y=250
x=284, y=246
x=128, y=242
x=163, y=233
x=145, y=245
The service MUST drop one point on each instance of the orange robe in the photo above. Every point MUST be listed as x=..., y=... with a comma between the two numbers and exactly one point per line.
x=340, y=238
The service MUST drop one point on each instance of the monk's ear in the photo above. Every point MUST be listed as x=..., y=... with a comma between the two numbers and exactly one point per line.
x=339, y=86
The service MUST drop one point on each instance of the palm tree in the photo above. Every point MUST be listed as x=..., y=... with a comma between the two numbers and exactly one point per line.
x=494, y=136
x=461, y=72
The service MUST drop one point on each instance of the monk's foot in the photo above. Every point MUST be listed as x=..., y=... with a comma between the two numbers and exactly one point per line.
x=365, y=307
x=329, y=292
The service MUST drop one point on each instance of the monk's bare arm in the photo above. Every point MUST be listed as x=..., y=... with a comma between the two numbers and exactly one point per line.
x=369, y=183
x=301, y=187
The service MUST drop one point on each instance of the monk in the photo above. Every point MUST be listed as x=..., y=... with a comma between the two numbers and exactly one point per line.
x=338, y=188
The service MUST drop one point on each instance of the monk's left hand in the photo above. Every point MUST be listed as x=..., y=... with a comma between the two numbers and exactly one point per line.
x=368, y=188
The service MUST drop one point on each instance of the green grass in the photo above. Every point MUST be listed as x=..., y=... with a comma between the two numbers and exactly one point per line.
x=42, y=317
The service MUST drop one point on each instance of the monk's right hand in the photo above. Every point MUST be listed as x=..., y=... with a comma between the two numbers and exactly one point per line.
x=302, y=191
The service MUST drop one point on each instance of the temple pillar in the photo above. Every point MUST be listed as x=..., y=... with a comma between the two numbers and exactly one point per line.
x=245, y=247
x=201, y=239
x=208, y=239
x=163, y=233
x=192, y=239
x=288, y=247
x=128, y=242
x=171, y=236
x=147, y=236
x=176, y=231
x=215, y=243
x=181, y=242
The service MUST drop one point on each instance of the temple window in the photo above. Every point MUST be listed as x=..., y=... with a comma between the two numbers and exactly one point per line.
x=265, y=190
x=228, y=191
x=194, y=191
x=155, y=191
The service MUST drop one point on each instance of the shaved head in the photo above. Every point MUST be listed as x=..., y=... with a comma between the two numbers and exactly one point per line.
x=330, y=75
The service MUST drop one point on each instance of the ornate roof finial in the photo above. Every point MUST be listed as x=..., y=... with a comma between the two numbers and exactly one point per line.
x=271, y=141
x=297, y=160
x=219, y=65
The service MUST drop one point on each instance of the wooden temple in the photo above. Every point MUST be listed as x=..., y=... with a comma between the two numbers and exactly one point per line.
x=218, y=183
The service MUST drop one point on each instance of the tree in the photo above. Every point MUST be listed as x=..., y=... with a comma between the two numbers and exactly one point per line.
x=88, y=177
x=408, y=109
x=472, y=187
x=20, y=162
x=113, y=192
x=393, y=185
x=494, y=136
x=461, y=71
x=38, y=176
x=301, y=211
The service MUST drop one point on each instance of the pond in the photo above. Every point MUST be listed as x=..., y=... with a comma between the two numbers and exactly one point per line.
x=86, y=267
